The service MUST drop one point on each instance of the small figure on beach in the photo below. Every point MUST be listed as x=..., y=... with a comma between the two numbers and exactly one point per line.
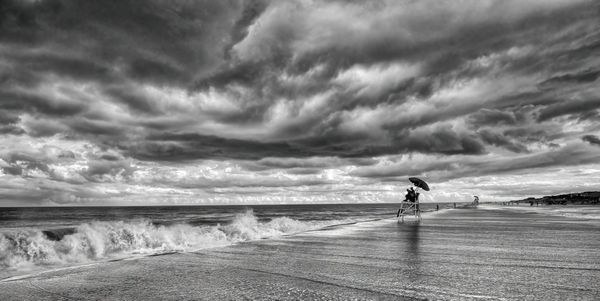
x=437, y=207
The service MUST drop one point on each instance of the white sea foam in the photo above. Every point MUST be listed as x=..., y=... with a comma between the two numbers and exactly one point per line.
x=101, y=240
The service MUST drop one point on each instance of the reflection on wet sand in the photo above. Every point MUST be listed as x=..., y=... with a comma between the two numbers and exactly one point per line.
x=409, y=242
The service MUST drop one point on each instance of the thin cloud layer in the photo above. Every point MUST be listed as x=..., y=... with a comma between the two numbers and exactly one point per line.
x=293, y=101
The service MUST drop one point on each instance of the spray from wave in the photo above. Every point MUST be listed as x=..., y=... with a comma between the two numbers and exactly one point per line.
x=100, y=240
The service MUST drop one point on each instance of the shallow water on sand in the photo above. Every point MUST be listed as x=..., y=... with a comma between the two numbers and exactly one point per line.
x=462, y=254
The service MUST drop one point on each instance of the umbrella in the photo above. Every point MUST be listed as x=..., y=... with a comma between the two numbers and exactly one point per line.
x=419, y=183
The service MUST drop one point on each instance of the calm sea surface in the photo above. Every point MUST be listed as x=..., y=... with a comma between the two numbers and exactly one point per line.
x=48, y=217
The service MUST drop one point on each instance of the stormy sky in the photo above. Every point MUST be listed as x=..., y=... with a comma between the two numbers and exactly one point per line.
x=259, y=102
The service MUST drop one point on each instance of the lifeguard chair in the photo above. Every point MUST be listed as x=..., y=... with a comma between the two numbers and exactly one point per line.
x=409, y=211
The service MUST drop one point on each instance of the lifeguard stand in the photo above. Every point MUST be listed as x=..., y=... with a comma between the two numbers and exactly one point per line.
x=409, y=211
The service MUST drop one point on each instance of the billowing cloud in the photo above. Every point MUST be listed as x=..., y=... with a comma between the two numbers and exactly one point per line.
x=293, y=101
x=591, y=139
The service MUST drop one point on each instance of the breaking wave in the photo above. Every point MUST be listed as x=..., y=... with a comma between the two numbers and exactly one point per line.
x=104, y=240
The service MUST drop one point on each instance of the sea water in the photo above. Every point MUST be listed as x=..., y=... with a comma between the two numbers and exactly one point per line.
x=41, y=238
x=489, y=252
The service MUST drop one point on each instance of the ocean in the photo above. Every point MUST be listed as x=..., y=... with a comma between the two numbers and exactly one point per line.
x=37, y=238
x=308, y=252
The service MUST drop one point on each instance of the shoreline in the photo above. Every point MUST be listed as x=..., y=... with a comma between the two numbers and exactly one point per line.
x=380, y=260
x=39, y=270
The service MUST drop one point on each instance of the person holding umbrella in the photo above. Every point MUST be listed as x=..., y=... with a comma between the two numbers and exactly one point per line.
x=412, y=194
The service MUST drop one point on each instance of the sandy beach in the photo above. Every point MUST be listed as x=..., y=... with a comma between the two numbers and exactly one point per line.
x=461, y=254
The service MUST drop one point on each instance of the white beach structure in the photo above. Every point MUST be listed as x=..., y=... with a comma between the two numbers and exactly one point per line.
x=409, y=211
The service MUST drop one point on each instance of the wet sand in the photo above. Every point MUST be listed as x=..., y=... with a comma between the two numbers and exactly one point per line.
x=492, y=254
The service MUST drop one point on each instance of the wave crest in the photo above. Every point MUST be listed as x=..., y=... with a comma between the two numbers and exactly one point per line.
x=100, y=239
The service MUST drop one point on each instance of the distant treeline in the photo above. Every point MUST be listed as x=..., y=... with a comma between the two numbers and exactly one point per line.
x=582, y=198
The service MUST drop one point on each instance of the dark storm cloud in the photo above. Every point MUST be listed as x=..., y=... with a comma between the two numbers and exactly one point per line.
x=252, y=10
x=569, y=155
x=309, y=165
x=441, y=140
x=492, y=117
x=190, y=146
x=454, y=167
x=133, y=100
x=11, y=129
x=295, y=88
x=500, y=140
x=461, y=42
x=295, y=162
x=22, y=101
x=265, y=182
x=95, y=127
x=567, y=107
x=448, y=64
x=22, y=163
x=527, y=134
x=148, y=40
x=170, y=146
x=64, y=58
x=7, y=118
x=8, y=124
x=585, y=77
x=33, y=64
x=591, y=139
x=391, y=173
x=247, y=73
x=273, y=57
